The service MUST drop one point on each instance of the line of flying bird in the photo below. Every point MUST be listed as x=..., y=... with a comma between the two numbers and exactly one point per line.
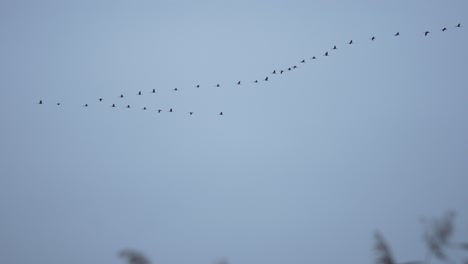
x=326, y=54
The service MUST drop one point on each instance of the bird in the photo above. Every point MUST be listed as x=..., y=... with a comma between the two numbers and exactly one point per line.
x=139, y=93
x=314, y=58
x=373, y=38
x=238, y=83
x=191, y=113
x=100, y=99
x=426, y=33
x=113, y=105
x=58, y=103
x=198, y=86
x=294, y=67
x=154, y=90
x=144, y=108
x=266, y=79
x=170, y=110
x=159, y=111
x=175, y=89
x=274, y=72
x=444, y=29
x=326, y=54
x=289, y=68
x=121, y=96
x=397, y=34
x=86, y=105
x=459, y=25
x=281, y=72
x=350, y=42
x=256, y=81
x=302, y=61
x=40, y=102
x=128, y=106
x=334, y=47
x=221, y=113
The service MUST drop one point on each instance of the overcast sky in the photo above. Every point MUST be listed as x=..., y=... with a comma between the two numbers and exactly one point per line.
x=300, y=169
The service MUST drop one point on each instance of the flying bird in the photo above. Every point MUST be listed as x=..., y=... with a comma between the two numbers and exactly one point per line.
x=426, y=33
x=144, y=108
x=238, y=83
x=274, y=72
x=40, y=102
x=198, y=86
x=191, y=113
x=113, y=105
x=100, y=99
x=373, y=38
x=326, y=54
x=350, y=42
x=121, y=96
x=221, y=113
x=86, y=105
x=266, y=79
x=58, y=103
x=128, y=106
x=314, y=58
x=281, y=72
x=334, y=47
x=289, y=68
x=170, y=110
x=302, y=61
x=294, y=67
x=444, y=29
x=218, y=85
x=256, y=81
x=459, y=25
x=154, y=90
x=175, y=89
x=159, y=111
x=397, y=34
x=139, y=93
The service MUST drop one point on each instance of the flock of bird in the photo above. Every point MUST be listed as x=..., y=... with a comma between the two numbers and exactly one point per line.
x=326, y=54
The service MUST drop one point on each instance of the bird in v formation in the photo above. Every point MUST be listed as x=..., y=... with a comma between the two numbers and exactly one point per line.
x=426, y=33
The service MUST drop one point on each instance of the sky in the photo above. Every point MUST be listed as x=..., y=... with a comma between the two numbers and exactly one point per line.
x=303, y=168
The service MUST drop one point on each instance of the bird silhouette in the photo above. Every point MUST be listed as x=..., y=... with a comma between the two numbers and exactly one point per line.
x=239, y=82
x=40, y=102
x=121, y=96
x=281, y=72
x=128, y=106
x=191, y=113
x=159, y=111
x=289, y=69
x=334, y=47
x=154, y=91
x=274, y=72
x=170, y=110
x=373, y=38
x=113, y=105
x=144, y=108
x=58, y=103
x=397, y=34
x=100, y=99
x=175, y=89
x=350, y=42
x=444, y=29
x=221, y=113
x=326, y=54
x=86, y=105
x=314, y=58
x=426, y=33
x=266, y=79
x=139, y=93
x=459, y=25
x=218, y=85
x=198, y=86
x=294, y=67
x=256, y=81
x=302, y=61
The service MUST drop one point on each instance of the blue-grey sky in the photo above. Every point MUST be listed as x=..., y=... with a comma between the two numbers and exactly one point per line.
x=300, y=169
